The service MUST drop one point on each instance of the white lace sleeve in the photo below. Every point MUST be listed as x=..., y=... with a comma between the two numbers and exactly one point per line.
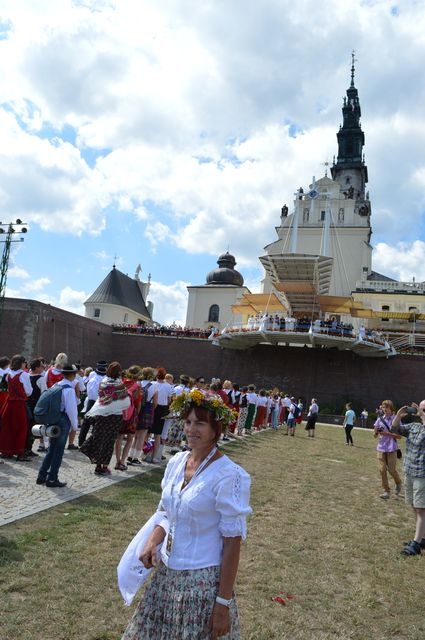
x=232, y=502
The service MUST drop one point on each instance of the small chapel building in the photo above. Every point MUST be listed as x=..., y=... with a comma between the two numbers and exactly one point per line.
x=120, y=299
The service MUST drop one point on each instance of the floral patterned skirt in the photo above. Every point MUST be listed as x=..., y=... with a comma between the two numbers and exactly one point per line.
x=99, y=447
x=177, y=605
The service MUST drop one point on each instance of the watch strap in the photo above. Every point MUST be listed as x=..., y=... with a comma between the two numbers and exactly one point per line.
x=223, y=601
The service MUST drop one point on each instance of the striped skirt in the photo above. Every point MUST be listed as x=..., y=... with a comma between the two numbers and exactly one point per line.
x=177, y=605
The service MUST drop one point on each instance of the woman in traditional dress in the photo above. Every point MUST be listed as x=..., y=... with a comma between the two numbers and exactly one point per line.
x=107, y=414
x=130, y=416
x=13, y=415
x=205, y=502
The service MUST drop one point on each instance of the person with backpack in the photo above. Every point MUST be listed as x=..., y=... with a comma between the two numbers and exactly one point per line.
x=147, y=405
x=68, y=418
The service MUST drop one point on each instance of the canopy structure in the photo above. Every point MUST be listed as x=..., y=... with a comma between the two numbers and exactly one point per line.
x=255, y=303
x=300, y=277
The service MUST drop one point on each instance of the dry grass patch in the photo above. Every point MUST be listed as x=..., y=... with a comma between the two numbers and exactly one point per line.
x=319, y=531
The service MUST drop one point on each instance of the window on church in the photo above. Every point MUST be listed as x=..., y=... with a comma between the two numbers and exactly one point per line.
x=96, y=313
x=125, y=318
x=341, y=215
x=385, y=307
x=347, y=180
x=214, y=313
x=322, y=215
x=306, y=215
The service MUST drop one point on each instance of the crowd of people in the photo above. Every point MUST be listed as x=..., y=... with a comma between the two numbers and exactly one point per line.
x=123, y=412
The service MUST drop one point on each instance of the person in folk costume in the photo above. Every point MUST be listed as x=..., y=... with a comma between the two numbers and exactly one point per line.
x=176, y=430
x=4, y=370
x=92, y=388
x=54, y=374
x=202, y=520
x=130, y=416
x=149, y=402
x=13, y=416
x=107, y=413
x=243, y=411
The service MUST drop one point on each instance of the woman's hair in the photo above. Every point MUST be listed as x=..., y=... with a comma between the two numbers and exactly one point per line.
x=148, y=373
x=61, y=360
x=169, y=378
x=88, y=370
x=133, y=372
x=348, y=405
x=16, y=362
x=206, y=416
x=160, y=373
x=388, y=403
x=244, y=389
x=114, y=370
x=4, y=361
x=251, y=387
x=262, y=392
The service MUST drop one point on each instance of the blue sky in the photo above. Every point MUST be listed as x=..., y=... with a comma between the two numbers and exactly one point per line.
x=166, y=133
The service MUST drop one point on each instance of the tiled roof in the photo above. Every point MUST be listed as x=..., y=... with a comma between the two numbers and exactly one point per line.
x=375, y=276
x=119, y=289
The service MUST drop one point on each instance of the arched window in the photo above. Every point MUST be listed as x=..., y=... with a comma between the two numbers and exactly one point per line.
x=214, y=313
x=306, y=215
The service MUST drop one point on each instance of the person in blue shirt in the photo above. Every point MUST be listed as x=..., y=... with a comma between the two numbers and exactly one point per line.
x=348, y=424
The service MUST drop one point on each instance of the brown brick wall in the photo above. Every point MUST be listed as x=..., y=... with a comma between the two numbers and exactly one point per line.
x=332, y=376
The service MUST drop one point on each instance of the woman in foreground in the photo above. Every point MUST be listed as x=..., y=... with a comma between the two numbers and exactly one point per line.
x=205, y=502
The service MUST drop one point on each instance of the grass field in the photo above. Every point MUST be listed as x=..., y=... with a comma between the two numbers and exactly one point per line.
x=319, y=531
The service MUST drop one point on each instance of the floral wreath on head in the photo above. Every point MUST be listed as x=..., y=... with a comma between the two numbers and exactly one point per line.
x=186, y=401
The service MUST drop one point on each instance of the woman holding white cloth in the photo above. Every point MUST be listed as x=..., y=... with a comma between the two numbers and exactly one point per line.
x=205, y=498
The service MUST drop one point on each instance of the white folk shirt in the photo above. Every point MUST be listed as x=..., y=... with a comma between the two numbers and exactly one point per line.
x=165, y=391
x=215, y=504
x=69, y=402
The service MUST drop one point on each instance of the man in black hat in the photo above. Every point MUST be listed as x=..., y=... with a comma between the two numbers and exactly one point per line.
x=48, y=473
x=93, y=383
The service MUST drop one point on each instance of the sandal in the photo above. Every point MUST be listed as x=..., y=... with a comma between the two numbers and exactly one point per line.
x=120, y=466
x=412, y=548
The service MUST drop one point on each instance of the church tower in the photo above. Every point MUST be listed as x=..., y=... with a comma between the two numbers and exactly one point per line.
x=323, y=245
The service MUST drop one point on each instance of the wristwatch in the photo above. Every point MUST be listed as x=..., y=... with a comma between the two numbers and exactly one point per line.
x=223, y=601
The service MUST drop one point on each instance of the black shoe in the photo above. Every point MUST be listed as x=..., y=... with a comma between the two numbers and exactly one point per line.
x=73, y=447
x=31, y=454
x=412, y=548
x=135, y=461
x=55, y=483
x=129, y=460
x=40, y=480
x=225, y=439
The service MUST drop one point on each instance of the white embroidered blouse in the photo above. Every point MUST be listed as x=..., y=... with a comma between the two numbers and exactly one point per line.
x=215, y=504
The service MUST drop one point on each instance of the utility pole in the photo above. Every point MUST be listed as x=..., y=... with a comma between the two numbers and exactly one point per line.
x=10, y=229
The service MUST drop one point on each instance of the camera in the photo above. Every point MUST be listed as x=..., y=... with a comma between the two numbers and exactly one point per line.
x=411, y=411
x=51, y=431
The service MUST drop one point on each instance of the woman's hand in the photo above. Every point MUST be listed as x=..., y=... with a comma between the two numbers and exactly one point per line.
x=149, y=556
x=220, y=621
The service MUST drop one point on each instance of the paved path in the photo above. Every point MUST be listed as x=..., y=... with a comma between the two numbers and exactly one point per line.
x=20, y=496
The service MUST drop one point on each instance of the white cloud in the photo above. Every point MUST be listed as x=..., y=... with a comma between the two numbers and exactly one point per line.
x=171, y=113
x=170, y=302
x=72, y=300
x=35, y=285
x=404, y=261
x=18, y=272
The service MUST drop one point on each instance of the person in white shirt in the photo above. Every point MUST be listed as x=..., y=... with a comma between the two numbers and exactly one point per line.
x=313, y=412
x=48, y=472
x=204, y=504
x=164, y=392
x=252, y=400
x=92, y=387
